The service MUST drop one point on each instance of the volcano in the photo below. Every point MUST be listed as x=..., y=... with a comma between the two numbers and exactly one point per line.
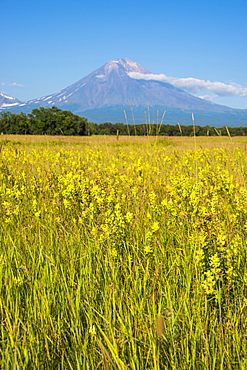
x=107, y=92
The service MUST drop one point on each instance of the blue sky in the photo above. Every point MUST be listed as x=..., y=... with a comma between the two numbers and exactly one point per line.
x=48, y=45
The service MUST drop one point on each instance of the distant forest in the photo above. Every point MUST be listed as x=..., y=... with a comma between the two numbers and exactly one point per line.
x=54, y=121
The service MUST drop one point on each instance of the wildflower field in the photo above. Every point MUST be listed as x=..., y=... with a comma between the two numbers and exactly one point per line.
x=123, y=254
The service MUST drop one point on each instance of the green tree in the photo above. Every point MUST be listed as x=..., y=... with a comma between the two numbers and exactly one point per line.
x=54, y=121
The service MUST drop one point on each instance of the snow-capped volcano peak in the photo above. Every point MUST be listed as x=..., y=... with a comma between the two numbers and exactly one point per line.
x=124, y=64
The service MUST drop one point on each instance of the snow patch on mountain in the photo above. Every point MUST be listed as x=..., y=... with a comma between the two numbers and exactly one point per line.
x=6, y=96
x=8, y=101
x=48, y=97
x=8, y=105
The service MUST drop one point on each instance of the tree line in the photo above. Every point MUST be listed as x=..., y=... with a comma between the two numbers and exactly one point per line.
x=54, y=121
x=108, y=128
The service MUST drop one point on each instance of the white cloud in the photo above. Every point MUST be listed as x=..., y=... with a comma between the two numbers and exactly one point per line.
x=208, y=97
x=194, y=85
x=16, y=84
x=11, y=84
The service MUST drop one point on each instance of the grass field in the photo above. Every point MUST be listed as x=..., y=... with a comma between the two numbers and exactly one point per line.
x=123, y=254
